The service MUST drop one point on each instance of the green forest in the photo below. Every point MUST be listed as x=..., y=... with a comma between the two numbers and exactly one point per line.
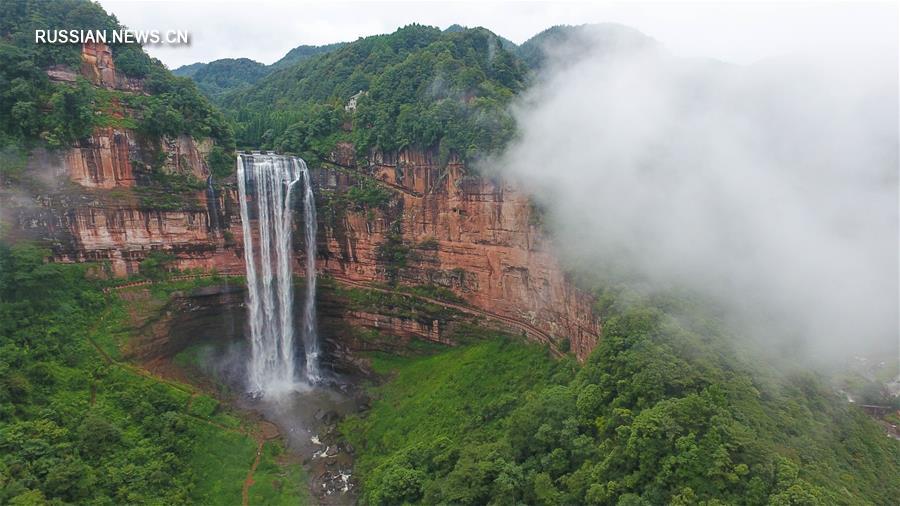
x=80, y=425
x=35, y=111
x=420, y=87
x=665, y=411
x=668, y=409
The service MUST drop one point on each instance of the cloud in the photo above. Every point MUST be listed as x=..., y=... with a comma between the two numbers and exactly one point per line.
x=732, y=31
x=771, y=188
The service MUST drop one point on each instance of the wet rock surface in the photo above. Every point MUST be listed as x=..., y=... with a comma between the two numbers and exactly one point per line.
x=308, y=419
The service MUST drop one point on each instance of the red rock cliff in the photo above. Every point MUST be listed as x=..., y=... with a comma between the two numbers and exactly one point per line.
x=113, y=213
x=465, y=233
x=451, y=229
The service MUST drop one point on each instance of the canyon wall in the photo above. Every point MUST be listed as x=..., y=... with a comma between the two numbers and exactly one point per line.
x=435, y=225
x=445, y=227
x=98, y=200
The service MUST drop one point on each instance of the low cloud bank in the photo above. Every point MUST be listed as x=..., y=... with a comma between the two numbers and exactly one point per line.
x=772, y=188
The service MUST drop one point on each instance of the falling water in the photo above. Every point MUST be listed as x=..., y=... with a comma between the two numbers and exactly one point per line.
x=267, y=180
x=310, y=330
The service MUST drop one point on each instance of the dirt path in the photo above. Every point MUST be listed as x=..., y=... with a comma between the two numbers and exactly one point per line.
x=248, y=482
x=266, y=431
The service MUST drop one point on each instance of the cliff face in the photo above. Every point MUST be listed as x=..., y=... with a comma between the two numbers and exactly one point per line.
x=97, y=201
x=103, y=160
x=467, y=234
x=437, y=226
x=471, y=236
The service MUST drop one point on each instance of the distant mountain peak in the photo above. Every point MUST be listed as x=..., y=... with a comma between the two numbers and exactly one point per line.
x=572, y=41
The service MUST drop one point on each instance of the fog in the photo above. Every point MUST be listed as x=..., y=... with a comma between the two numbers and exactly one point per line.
x=771, y=189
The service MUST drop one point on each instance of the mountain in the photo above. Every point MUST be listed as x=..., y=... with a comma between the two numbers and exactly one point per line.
x=570, y=42
x=417, y=87
x=454, y=87
x=506, y=43
x=189, y=70
x=221, y=76
x=300, y=53
x=490, y=371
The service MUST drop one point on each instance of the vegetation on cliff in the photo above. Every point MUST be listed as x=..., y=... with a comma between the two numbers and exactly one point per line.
x=419, y=87
x=35, y=110
x=662, y=413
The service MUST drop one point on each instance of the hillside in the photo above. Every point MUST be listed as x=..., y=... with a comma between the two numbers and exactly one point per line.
x=667, y=410
x=304, y=52
x=217, y=77
x=228, y=74
x=416, y=88
x=566, y=42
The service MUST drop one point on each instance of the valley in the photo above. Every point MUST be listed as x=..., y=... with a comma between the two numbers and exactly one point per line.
x=312, y=282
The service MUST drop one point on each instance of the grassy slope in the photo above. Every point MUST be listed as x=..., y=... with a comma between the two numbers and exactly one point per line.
x=461, y=393
x=156, y=441
x=224, y=449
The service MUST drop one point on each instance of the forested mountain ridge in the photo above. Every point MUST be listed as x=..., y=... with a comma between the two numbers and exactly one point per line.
x=227, y=74
x=418, y=87
x=217, y=77
x=567, y=42
x=304, y=52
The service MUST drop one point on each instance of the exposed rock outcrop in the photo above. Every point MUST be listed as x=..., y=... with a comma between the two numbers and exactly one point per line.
x=103, y=160
x=440, y=227
x=465, y=233
x=98, y=67
x=100, y=200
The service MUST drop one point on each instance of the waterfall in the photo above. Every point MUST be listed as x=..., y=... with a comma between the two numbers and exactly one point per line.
x=267, y=181
x=310, y=330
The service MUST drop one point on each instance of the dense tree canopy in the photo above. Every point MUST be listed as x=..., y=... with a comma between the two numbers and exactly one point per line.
x=663, y=412
x=79, y=427
x=217, y=77
x=128, y=447
x=417, y=87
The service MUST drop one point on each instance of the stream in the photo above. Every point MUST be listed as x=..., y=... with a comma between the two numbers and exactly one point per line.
x=306, y=417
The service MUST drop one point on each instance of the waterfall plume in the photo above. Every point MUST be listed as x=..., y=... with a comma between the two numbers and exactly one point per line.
x=267, y=181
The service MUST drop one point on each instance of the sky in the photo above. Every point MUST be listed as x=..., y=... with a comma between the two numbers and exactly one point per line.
x=736, y=32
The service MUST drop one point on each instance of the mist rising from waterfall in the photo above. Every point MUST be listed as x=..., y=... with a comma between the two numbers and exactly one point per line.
x=267, y=181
